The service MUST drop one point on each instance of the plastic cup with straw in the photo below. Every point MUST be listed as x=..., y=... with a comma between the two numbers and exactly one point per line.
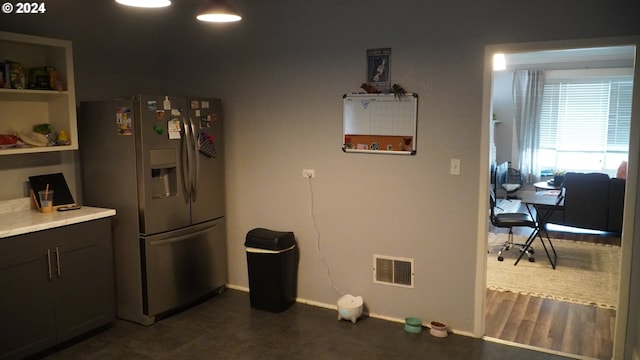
x=46, y=200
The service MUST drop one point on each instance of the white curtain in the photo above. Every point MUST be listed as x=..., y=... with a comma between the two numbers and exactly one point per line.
x=528, y=87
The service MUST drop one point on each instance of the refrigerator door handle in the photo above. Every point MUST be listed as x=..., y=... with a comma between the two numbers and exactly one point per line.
x=186, y=163
x=196, y=160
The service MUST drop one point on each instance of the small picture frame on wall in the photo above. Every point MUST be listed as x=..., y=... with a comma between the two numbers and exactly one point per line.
x=378, y=68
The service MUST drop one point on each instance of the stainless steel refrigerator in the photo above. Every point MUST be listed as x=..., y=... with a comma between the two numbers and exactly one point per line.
x=158, y=161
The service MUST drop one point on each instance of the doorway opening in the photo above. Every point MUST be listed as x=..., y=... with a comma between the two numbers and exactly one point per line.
x=513, y=313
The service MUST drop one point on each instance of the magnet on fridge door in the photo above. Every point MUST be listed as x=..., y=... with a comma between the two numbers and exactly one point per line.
x=166, y=104
x=173, y=127
x=205, y=122
x=123, y=121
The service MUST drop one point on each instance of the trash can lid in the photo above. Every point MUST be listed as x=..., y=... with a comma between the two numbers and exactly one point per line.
x=260, y=238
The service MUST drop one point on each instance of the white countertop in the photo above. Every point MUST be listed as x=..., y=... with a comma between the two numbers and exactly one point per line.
x=25, y=221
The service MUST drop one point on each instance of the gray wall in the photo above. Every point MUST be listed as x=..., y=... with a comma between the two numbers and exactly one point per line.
x=281, y=73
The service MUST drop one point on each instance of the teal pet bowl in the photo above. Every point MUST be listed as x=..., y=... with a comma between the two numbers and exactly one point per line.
x=413, y=325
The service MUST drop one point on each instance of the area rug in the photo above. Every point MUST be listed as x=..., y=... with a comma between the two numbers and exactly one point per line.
x=586, y=273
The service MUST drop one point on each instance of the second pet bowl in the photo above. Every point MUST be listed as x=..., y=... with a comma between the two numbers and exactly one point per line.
x=438, y=329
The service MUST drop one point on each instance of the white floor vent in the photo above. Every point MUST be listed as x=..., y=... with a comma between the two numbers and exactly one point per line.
x=395, y=271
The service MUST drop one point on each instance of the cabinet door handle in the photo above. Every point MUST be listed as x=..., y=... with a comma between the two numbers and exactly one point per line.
x=58, y=261
x=49, y=263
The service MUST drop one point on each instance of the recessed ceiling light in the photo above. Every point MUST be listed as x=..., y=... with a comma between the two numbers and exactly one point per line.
x=218, y=11
x=145, y=3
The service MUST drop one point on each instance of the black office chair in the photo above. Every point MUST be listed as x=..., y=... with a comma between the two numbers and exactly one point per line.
x=511, y=220
x=512, y=181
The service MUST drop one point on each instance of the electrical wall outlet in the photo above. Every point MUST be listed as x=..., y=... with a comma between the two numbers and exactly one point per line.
x=308, y=173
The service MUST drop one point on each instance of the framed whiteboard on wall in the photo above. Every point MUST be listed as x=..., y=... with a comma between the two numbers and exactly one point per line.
x=380, y=123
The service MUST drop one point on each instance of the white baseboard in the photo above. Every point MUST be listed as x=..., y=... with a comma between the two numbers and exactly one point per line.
x=535, y=348
x=239, y=288
x=318, y=304
x=335, y=307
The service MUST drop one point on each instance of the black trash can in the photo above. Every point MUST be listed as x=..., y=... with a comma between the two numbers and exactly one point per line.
x=272, y=261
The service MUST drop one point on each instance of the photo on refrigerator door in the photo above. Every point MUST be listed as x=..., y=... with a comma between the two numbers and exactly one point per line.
x=123, y=121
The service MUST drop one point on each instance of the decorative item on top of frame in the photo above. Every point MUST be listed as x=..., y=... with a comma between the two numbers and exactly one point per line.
x=378, y=69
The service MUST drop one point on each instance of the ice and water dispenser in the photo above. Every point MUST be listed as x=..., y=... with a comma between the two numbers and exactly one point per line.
x=164, y=173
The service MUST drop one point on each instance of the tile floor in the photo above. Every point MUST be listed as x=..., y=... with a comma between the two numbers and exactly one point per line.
x=226, y=327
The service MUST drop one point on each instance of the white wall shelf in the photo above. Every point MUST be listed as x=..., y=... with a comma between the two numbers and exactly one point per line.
x=21, y=109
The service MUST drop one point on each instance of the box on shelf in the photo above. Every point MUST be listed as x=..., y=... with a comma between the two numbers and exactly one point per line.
x=17, y=78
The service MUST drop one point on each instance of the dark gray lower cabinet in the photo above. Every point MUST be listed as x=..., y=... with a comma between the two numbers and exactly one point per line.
x=55, y=284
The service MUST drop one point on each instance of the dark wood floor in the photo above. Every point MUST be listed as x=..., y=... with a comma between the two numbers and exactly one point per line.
x=225, y=327
x=570, y=328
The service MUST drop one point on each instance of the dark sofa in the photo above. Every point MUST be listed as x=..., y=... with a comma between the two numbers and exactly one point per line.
x=593, y=201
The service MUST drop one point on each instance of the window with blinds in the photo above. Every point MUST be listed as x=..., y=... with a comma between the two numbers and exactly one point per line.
x=585, y=121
